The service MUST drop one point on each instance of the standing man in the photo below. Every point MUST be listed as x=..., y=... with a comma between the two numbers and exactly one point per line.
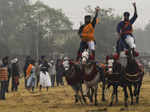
x=44, y=75
x=27, y=62
x=86, y=33
x=9, y=73
x=3, y=77
x=30, y=75
x=59, y=73
x=52, y=72
x=126, y=39
x=15, y=75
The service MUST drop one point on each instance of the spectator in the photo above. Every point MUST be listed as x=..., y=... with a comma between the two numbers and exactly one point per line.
x=15, y=74
x=30, y=75
x=3, y=77
x=27, y=62
x=9, y=73
x=37, y=73
x=52, y=72
x=44, y=75
x=59, y=73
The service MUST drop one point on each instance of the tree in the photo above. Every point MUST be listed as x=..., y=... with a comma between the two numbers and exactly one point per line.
x=71, y=44
x=43, y=22
x=27, y=29
x=10, y=12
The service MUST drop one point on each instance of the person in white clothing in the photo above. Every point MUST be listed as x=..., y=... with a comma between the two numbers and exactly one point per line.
x=52, y=72
x=44, y=75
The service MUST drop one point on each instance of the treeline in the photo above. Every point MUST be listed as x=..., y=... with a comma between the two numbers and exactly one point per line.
x=27, y=29
x=37, y=29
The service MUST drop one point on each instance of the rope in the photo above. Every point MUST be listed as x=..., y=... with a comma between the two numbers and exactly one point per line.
x=132, y=75
x=132, y=80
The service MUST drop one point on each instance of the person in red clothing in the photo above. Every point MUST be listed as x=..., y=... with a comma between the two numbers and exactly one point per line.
x=3, y=77
x=86, y=33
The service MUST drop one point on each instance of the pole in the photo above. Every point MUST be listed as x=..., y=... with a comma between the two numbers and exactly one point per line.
x=37, y=40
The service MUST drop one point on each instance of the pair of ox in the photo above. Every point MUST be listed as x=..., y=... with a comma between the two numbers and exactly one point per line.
x=114, y=74
x=129, y=75
x=88, y=73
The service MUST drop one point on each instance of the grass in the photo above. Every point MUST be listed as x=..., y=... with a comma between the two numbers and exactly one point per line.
x=60, y=99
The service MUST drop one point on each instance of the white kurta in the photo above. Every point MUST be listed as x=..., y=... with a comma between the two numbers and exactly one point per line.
x=45, y=80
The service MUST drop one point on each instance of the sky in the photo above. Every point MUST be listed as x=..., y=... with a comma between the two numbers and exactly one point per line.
x=74, y=9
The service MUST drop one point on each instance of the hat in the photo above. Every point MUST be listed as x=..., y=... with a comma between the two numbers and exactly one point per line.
x=66, y=58
x=15, y=60
x=52, y=61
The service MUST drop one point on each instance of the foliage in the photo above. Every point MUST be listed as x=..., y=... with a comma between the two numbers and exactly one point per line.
x=38, y=29
x=29, y=29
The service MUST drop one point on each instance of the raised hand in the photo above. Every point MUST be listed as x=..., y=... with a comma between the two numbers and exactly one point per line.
x=134, y=5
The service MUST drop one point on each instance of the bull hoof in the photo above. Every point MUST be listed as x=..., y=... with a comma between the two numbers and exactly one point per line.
x=84, y=101
x=126, y=105
x=110, y=104
x=137, y=100
x=96, y=104
x=91, y=100
x=116, y=101
x=131, y=103
x=76, y=101
x=103, y=99
x=122, y=109
x=81, y=103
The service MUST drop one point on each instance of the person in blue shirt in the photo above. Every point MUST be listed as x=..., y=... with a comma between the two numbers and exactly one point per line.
x=126, y=39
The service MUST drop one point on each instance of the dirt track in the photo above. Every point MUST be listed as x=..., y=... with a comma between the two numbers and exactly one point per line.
x=60, y=99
